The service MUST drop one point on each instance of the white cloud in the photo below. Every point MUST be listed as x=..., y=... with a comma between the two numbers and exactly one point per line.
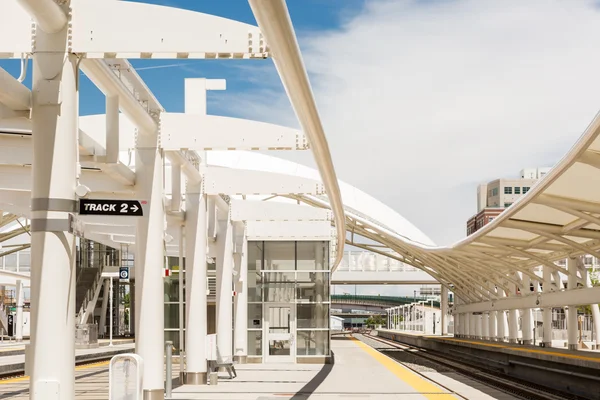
x=422, y=100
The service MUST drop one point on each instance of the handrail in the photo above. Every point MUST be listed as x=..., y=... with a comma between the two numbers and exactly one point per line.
x=275, y=24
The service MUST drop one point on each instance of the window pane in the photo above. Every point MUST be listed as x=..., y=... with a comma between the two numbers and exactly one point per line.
x=254, y=343
x=280, y=255
x=10, y=262
x=172, y=316
x=312, y=255
x=313, y=286
x=279, y=286
x=24, y=261
x=313, y=343
x=254, y=316
x=254, y=286
x=171, y=288
x=313, y=316
x=517, y=190
x=255, y=256
x=174, y=337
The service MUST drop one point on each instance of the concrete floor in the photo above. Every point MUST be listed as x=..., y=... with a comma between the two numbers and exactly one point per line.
x=359, y=372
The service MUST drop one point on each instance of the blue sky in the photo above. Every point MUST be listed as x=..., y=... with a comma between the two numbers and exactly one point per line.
x=243, y=76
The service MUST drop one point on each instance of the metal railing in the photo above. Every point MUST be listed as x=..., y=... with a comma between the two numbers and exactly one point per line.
x=364, y=261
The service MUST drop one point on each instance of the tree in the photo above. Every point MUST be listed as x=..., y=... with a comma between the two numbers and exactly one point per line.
x=375, y=320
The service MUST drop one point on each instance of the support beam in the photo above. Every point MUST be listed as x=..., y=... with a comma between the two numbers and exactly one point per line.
x=13, y=94
x=224, y=290
x=196, y=302
x=54, y=177
x=241, y=299
x=49, y=16
x=149, y=266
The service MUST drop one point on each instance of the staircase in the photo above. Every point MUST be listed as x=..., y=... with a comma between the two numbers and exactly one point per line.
x=86, y=277
x=3, y=317
x=87, y=306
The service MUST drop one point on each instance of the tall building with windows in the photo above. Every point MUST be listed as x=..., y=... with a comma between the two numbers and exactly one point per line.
x=496, y=196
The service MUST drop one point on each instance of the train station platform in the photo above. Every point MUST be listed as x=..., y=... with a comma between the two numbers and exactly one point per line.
x=10, y=348
x=557, y=368
x=358, y=372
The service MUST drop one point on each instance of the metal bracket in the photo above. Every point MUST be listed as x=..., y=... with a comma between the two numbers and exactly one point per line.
x=47, y=204
x=50, y=225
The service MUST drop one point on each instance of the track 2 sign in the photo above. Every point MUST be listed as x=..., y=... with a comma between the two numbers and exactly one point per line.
x=110, y=207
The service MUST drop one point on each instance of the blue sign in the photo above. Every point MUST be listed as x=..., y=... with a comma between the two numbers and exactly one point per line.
x=124, y=274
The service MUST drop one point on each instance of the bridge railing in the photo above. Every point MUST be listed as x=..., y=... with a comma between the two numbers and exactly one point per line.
x=365, y=261
x=388, y=301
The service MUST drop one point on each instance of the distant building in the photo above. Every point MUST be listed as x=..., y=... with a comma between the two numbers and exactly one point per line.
x=496, y=196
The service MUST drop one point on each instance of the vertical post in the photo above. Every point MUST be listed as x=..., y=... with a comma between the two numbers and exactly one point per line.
x=572, y=314
x=111, y=311
x=112, y=129
x=595, y=315
x=196, y=304
x=457, y=327
x=241, y=304
x=54, y=117
x=485, y=326
x=181, y=309
x=444, y=310
x=20, y=301
x=104, y=307
x=224, y=290
x=492, y=321
x=149, y=258
x=169, y=369
x=527, y=314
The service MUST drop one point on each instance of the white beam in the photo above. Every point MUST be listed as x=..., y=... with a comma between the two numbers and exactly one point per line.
x=230, y=181
x=15, y=177
x=111, y=85
x=245, y=210
x=211, y=132
x=13, y=93
x=274, y=21
x=289, y=230
x=562, y=298
x=49, y=16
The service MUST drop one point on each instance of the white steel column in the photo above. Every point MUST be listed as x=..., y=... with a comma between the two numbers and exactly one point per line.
x=547, y=311
x=241, y=304
x=111, y=312
x=224, y=290
x=457, y=325
x=196, y=302
x=444, y=310
x=572, y=326
x=20, y=302
x=478, y=326
x=492, y=328
x=501, y=322
x=527, y=314
x=485, y=326
x=104, y=308
x=149, y=265
x=513, y=326
x=595, y=312
x=55, y=106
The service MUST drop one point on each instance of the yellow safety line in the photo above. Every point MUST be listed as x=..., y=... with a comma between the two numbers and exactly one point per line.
x=421, y=385
x=545, y=352
x=78, y=368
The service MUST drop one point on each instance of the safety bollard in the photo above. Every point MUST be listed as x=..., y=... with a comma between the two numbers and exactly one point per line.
x=169, y=378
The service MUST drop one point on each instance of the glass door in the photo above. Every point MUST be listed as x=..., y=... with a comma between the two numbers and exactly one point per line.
x=280, y=333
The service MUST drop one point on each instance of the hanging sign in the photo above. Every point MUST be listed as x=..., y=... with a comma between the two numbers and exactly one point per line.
x=110, y=207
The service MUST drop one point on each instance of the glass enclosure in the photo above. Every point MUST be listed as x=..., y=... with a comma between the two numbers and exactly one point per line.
x=288, y=296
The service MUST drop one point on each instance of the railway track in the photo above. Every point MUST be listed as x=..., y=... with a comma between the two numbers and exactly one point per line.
x=20, y=373
x=491, y=378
